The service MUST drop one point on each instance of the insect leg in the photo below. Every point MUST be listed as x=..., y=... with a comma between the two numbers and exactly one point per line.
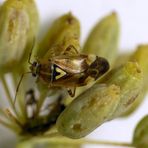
x=71, y=92
x=70, y=50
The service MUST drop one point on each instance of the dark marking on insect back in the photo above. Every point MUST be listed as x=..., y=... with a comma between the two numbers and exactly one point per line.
x=98, y=67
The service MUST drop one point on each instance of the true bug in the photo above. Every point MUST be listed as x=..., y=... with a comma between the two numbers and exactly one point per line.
x=66, y=68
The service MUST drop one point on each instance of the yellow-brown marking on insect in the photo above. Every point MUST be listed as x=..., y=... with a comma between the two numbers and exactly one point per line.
x=61, y=73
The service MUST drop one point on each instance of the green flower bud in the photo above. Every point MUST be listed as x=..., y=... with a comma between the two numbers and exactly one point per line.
x=19, y=22
x=140, y=56
x=129, y=78
x=140, y=138
x=101, y=102
x=64, y=32
x=103, y=39
x=88, y=111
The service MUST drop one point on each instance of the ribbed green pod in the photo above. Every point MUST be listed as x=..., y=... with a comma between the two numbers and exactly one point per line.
x=19, y=23
x=64, y=31
x=103, y=39
x=129, y=78
x=88, y=111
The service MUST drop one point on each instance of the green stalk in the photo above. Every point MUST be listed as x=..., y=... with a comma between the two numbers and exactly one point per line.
x=9, y=97
x=5, y=124
x=21, y=103
x=8, y=123
x=67, y=141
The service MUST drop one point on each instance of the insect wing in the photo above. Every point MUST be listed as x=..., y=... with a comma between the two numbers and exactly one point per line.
x=72, y=64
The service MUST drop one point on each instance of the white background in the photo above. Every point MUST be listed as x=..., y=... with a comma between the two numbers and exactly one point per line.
x=133, y=16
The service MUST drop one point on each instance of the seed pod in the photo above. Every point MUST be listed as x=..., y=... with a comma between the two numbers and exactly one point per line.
x=101, y=103
x=88, y=111
x=129, y=78
x=18, y=21
x=65, y=31
x=140, y=138
x=103, y=39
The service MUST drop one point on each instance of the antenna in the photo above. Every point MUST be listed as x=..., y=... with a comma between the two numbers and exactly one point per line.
x=29, y=61
x=19, y=86
x=30, y=54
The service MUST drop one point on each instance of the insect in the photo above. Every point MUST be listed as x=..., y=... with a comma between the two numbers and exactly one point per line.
x=68, y=68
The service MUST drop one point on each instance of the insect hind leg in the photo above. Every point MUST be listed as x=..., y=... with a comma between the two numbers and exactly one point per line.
x=71, y=50
x=72, y=91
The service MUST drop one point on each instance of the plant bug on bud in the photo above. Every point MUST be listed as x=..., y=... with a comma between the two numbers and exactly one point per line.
x=67, y=68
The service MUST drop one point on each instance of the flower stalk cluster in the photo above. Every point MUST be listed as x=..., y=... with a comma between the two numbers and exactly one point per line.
x=41, y=114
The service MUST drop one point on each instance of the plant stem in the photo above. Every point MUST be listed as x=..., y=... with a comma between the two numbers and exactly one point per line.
x=5, y=124
x=87, y=141
x=50, y=135
x=66, y=141
x=9, y=98
x=21, y=102
x=9, y=123
x=10, y=126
